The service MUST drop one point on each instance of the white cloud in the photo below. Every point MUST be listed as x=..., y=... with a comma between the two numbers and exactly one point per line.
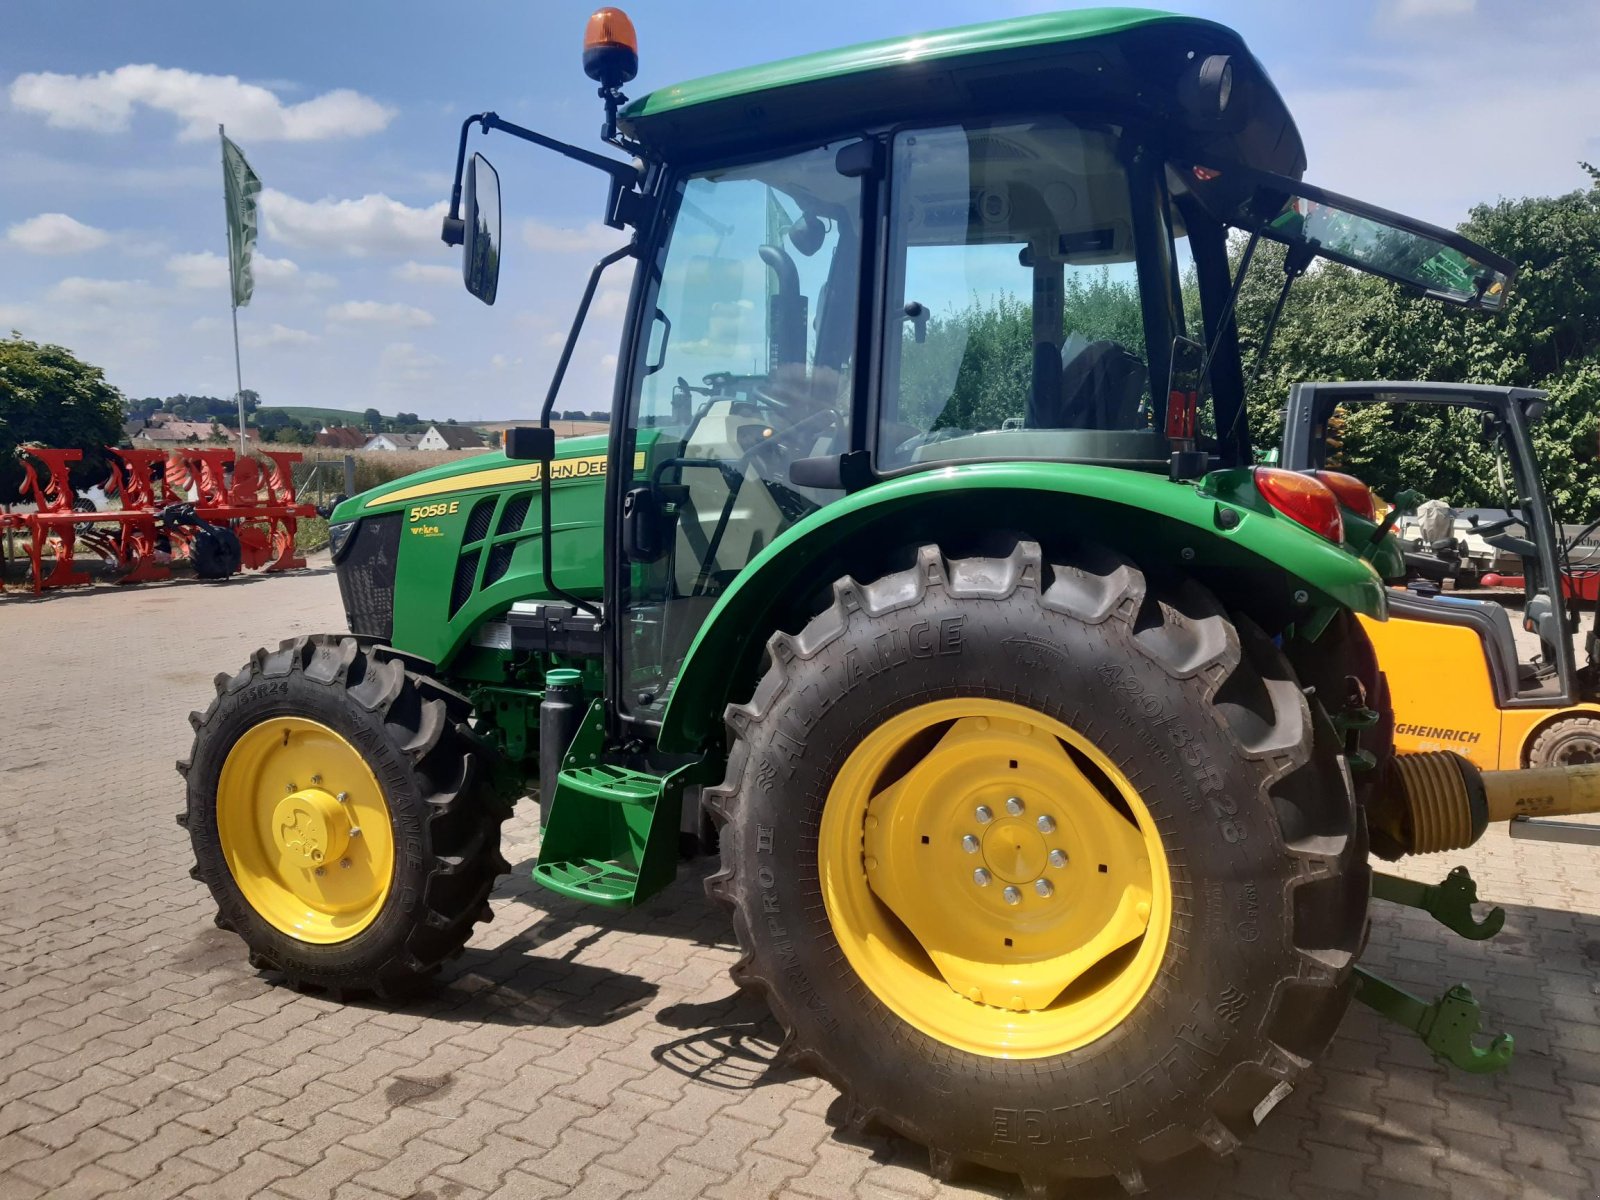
x=105, y=103
x=556, y=239
x=276, y=335
x=403, y=362
x=56, y=233
x=103, y=293
x=1425, y=10
x=1430, y=123
x=415, y=272
x=374, y=224
x=209, y=270
x=377, y=312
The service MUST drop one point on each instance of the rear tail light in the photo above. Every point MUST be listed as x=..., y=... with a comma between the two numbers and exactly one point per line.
x=1352, y=493
x=1303, y=499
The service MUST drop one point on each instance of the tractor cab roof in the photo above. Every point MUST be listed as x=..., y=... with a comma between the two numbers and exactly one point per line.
x=1118, y=65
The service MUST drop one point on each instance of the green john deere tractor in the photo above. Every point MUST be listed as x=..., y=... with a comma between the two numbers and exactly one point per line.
x=923, y=574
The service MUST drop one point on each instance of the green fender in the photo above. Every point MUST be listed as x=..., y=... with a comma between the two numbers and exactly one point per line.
x=1231, y=526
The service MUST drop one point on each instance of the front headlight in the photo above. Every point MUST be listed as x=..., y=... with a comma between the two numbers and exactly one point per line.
x=339, y=538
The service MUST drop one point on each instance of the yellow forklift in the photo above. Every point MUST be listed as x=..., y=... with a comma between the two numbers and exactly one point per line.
x=1452, y=663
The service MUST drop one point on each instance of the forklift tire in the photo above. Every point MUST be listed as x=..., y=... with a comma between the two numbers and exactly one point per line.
x=339, y=814
x=1566, y=743
x=1116, y=778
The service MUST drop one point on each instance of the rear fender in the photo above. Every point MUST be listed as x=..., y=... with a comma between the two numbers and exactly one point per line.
x=1259, y=560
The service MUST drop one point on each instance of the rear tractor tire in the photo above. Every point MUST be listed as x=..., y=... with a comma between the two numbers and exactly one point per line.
x=1046, y=867
x=339, y=816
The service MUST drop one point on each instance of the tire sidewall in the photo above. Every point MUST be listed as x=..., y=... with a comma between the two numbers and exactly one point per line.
x=1232, y=922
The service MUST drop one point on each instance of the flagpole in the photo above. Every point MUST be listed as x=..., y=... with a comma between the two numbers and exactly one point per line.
x=238, y=368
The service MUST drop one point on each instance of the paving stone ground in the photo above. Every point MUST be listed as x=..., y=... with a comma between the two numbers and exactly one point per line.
x=573, y=1054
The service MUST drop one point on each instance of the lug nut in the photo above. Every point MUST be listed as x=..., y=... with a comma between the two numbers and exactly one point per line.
x=1058, y=858
x=316, y=780
x=345, y=863
x=355, y=831
x=1014, y=807
x=969, y=844
x=288, y=789
x=322, y=870
x=1047, y=824
x=1012, y=895
x=981, y=877
x=985, y=814
x=1043, y=887
x=343, y=797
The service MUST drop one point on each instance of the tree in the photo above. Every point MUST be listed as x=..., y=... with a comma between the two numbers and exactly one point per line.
x=50, y=396
x=1340, y=324
x=373, y=419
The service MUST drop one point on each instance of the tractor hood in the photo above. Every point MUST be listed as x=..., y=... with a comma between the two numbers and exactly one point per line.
x=576, y=458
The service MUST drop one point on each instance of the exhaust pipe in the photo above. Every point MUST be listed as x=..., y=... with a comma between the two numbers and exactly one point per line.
x=1441, y=801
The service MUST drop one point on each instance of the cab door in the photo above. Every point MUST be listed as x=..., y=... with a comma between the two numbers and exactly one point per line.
x=746, y=367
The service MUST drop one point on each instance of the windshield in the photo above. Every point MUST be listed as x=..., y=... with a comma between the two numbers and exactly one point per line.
x=1015, y=327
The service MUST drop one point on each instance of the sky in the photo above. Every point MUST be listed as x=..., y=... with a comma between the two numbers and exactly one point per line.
x=111, y=219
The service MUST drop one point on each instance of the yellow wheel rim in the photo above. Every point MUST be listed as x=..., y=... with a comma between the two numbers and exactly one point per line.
x=305, y=830
x=994, y=878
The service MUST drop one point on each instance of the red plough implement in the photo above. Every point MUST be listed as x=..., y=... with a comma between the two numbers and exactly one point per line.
x=176, y=499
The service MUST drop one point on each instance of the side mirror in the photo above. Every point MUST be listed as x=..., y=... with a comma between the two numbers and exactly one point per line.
x=480, y=248
x=530, y=443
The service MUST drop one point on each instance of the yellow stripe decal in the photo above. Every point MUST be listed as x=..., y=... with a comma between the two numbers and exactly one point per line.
x=590, y=467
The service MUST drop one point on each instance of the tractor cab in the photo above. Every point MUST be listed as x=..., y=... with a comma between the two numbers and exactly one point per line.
x=999, y=244
x=1459, y=679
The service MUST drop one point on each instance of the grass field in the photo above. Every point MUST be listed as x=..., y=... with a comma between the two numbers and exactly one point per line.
x=330, y=416
x=372, y=466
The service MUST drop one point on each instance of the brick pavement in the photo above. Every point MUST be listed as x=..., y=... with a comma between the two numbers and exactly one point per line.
x=568, y=1052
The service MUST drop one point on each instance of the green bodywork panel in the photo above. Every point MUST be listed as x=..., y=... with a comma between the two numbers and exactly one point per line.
x=1150, y=507
x=1020, y=33
x=1388, y=557
x=447, y=583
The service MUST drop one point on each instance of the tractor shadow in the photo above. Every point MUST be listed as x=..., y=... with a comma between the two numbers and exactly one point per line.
x=1376, y=1105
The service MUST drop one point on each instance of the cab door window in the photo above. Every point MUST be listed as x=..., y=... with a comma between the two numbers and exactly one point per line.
x=748, y=368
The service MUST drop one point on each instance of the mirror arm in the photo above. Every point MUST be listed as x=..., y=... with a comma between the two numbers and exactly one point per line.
x=624, y=175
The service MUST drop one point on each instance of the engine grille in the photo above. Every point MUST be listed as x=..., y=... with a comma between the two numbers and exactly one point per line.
x=366, y=576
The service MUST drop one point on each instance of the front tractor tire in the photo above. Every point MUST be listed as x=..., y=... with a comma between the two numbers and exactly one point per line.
x=1048, y=867
x=339, y=816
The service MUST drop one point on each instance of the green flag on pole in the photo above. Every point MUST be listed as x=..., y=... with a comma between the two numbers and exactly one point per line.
x=241, y=186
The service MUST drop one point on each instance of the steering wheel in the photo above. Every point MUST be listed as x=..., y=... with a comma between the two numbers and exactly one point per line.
x=798, y=436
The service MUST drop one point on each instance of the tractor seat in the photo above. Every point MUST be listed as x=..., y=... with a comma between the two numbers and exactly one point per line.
x=1487, y=618
x=1100, y=389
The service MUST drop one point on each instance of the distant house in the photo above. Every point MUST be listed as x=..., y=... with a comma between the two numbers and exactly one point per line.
x=342, y=437
x=175, y=433
x=451, y=437
x=394, y=441
x=132, y=427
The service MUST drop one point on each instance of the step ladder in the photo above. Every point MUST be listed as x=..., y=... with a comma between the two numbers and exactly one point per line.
x=612, y=837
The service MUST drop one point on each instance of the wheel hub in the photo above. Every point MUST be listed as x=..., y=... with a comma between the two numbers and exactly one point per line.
x=1015, y=851
x=311, y=826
